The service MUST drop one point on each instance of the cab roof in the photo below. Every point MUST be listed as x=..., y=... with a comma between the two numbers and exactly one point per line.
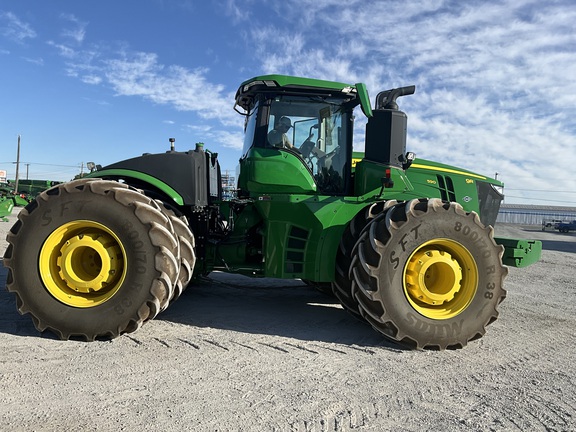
x=272, y=83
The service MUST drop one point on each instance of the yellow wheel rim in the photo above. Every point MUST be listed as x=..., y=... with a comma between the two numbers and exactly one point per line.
x=82, y=264
x=440, y=279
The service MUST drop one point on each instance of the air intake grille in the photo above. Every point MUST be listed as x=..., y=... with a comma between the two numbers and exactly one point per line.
x=489, y=202
x=446, y=188
x=294, y=260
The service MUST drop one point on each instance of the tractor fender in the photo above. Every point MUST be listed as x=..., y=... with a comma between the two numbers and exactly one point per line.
x=190, y=178
x=140, y=180
x=330, y=242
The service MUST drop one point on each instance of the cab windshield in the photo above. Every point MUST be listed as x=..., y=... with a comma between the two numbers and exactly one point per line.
x=316, y=129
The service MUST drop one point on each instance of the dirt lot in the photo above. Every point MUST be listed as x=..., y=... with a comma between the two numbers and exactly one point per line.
x=267, y=355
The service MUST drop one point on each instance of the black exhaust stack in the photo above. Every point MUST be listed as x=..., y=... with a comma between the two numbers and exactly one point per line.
x=386, y=129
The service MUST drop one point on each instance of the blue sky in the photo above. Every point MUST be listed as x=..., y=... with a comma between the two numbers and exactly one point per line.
x=107, y=80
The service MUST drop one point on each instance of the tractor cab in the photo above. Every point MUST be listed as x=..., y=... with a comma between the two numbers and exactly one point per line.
x=298, y=135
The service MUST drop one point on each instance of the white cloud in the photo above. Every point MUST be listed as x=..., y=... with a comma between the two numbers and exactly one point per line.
x=77, y=31
x=231, y=140
x=91, y=79
x=64, y=50
x=238, y=13
x=140, y=74
x=15, y=29
x=97, y=102
x=496, y=81
x=37, y=61
x=198, y=128
x=228, y=139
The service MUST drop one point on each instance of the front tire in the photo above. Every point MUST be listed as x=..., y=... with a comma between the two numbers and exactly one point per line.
x=428, y=274
x=343, y=280
x=92, y=259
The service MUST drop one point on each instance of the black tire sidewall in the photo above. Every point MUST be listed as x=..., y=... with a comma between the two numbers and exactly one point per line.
x=112, y=315
x=394, y=258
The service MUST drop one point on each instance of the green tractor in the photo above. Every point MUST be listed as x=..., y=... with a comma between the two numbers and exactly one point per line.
x=403, y=243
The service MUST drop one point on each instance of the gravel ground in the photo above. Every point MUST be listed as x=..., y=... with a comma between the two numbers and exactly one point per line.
x=266, y=355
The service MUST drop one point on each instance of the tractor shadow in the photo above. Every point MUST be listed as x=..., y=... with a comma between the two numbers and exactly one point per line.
x=559, y=246
x=11, y=322
x=287, y=308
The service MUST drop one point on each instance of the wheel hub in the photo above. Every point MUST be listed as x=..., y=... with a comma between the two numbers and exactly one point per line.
x=89, y=262
x=440, y=279
x=82, y=263
x=433, y=277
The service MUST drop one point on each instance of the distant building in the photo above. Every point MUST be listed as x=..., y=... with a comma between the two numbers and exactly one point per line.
x=228, y=186
x=533, y=214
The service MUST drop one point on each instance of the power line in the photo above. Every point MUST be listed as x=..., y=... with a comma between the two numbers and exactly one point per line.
x=567, y=203
x=539, y=190
x=45, y=164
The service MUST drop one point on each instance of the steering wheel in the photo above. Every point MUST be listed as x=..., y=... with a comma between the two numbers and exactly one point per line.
x=307, y=147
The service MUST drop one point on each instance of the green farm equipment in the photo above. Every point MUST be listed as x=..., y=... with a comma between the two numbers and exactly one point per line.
x=404, y=243
x=28, y=189
x=6, y=206
x=7, y=202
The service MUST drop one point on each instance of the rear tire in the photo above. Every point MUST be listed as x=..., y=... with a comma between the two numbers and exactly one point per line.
x=187, y=254
x=428, y=275
x=91, y=259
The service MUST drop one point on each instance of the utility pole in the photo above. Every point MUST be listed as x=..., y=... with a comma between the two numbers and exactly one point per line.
x=27, y=169
x=17, y=166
